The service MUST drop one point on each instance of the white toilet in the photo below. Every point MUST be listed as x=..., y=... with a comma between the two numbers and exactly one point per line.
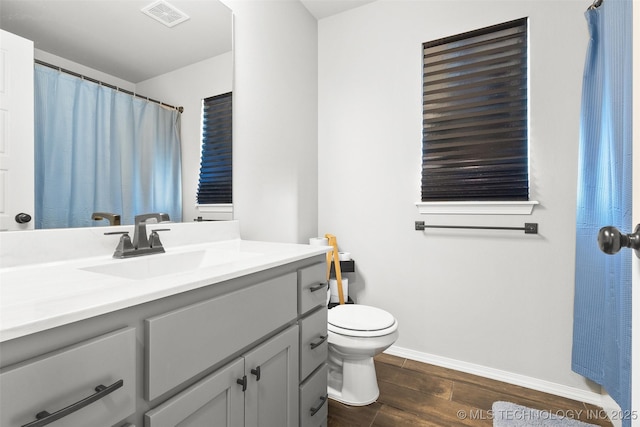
x=356, y=334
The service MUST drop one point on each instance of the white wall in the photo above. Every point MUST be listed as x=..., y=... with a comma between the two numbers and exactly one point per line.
x=275, y=172
x=59, y=61
x=187, y=87
x=496, y=299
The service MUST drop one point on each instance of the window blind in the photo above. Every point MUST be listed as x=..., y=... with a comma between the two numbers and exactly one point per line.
x=475, y=118
x=215, y=184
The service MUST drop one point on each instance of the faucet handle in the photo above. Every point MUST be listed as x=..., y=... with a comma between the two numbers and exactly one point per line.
x=154, y=238
x=124, y=245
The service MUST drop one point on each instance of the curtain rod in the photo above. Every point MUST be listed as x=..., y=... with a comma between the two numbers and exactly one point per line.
x=596, y=4
x=119, y=89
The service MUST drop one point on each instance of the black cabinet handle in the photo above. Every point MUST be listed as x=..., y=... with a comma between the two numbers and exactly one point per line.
x=243, y=382
x=323, y=400
x=318, y=287
x=43, y=418
x=256, y=372
x=322, y=339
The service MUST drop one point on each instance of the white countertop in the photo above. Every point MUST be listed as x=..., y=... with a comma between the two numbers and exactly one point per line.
x=36, y=297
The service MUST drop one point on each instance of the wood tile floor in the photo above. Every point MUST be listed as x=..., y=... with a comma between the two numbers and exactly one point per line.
x=421, y=395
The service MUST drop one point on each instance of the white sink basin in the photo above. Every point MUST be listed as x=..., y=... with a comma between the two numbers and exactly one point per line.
x=156, y=265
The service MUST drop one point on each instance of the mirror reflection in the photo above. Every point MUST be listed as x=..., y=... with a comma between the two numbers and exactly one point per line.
x=179, y=63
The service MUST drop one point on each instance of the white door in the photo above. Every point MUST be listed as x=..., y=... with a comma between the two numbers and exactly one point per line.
x=16, y=132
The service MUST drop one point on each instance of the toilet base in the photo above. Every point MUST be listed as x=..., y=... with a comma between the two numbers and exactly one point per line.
x=355, y=384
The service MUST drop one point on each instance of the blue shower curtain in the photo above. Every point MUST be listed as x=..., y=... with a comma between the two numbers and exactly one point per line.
x=602, y=304
x=101, y=150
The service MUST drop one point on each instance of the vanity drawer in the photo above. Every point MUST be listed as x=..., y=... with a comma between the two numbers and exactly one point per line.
x=312, y=287
x=184, y=342
x=45, y=383
x=313, y=342
x=314, y=400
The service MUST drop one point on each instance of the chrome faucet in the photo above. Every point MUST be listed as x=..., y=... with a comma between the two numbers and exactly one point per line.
x=140, y=240
x=141, y=244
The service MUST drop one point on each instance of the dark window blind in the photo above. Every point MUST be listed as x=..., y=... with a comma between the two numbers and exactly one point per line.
x=215, y=182
x=475, y=119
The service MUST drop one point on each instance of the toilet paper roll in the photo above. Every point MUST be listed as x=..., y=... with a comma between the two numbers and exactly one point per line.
x=344, y=256
x=319, y=241
x=333, y=288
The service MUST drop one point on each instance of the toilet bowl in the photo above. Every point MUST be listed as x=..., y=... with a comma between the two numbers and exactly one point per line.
x=356, y=334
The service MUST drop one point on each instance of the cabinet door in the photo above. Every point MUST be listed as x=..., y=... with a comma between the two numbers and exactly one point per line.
x=217, y=400
x=272, y=369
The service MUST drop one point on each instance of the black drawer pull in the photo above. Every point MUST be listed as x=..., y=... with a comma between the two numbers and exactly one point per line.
x=322, y=339
x=318, y=287
x=243, y=382
x=323, y=400
x=256, y=372
x=43, y=418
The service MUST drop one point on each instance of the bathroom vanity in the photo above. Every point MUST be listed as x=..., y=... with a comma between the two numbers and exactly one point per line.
x=216, y=331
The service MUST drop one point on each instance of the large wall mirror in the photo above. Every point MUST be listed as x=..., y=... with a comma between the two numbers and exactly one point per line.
x=117, y=43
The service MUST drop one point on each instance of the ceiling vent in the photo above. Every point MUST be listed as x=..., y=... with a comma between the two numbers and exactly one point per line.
x=164, y=12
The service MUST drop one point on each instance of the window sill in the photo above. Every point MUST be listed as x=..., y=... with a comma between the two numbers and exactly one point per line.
x=476, y=208
x=217, y=211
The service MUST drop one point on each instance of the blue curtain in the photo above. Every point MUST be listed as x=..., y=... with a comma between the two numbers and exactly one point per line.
x=602, y=304
x=101, y=150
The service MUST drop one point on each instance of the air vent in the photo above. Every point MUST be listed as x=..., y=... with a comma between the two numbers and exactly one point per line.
x=164, y=12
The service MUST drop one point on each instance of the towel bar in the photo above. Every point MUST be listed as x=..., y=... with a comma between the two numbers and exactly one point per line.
x=529, y=227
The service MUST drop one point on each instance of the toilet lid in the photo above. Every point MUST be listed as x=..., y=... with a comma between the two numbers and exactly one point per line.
x=358, y=317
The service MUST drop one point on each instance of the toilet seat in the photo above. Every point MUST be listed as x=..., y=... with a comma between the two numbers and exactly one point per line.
x=360, y=321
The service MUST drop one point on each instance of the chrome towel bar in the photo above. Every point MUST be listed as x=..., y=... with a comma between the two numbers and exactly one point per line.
x=529, y=227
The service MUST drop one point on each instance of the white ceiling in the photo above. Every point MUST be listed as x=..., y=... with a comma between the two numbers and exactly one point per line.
x=115, y=37
x=323, y=8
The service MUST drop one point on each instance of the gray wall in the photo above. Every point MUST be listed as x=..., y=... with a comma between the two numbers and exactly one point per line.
x=500, y=300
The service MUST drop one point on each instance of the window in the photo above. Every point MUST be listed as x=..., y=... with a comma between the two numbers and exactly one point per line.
x=475, y=116
x=215, y=182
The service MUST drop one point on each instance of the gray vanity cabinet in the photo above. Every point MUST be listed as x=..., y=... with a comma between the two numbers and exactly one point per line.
x=216, y=400
x=248, y=351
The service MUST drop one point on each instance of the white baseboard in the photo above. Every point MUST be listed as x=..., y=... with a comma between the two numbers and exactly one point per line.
x=613, y=410
x=500, y=375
